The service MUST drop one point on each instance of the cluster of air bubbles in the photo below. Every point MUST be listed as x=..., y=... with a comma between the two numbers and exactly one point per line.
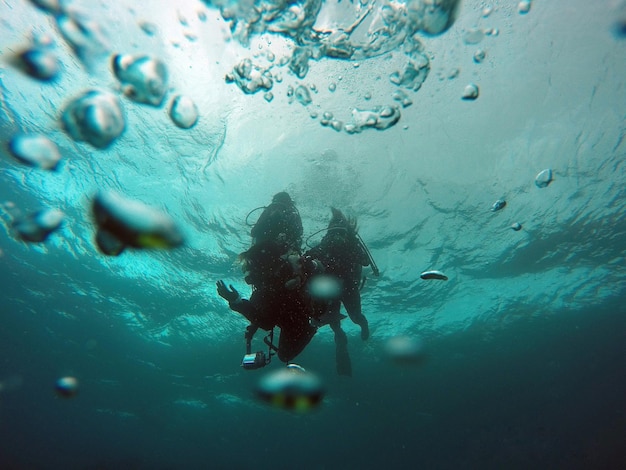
x=402, y=98
x=95, y=117
x=250, y=78
x=413, y=75
x=317, y=33
x=183, y=112
x=328, y=120
x=143, y=78
x=542, y=180
x=38, y=226
x=125, y=222
x=35, y=150
x=378, y=117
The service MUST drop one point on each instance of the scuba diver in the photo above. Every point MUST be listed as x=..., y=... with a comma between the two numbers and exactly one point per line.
x=281, y=279
x=275, y=269
x=280, y=223
x=343, y=255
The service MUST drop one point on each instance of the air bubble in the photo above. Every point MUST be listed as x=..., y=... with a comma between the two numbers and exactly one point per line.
x=37, y=227
x=302, y=95
x=471, y=92
x=479, y=56
x=183, y=112
x=143, y=78
x=250, y=78
x=523, y=7
x=39, y=62
x=35, y=150
x=95, y=117
x=473, y=36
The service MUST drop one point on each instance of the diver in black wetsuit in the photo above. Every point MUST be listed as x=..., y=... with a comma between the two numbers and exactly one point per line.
x=343, y=257
x=278, y=297
x=280, y=223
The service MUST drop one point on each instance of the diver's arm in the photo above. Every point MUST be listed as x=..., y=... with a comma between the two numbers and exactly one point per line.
x=235, y=302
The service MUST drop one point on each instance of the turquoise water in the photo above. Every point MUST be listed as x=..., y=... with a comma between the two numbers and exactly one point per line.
x=524, y=358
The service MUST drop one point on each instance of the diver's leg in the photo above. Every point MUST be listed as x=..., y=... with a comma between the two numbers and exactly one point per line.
x=344, y=366
x=351, y=299
x=293, y=340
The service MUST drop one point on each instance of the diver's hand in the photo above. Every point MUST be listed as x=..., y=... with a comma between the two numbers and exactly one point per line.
x=231, y=295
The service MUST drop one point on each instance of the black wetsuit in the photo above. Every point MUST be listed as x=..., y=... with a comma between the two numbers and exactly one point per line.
x=280, y=222
x=273, y=304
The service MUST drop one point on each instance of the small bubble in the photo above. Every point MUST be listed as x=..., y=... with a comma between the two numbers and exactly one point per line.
x=454, y=73
x=332, y=87
x=66, y=387
x=523, y=7
x=479, y=56
x=405, y=350
x=144, y=79
x=368, y=96
x=35, y=150
x=183, y=112
x=38, y=226
x=487, y=11
x=336, y=125
x=473, y=36
x=326, y=118
x=356, y=65
x=95, y=117
x=471, y=92
x=269, y=96
x=39, y=62
x=313, y=88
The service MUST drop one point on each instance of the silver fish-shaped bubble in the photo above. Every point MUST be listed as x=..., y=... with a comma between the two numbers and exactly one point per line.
x=543, y=178
x=498, y=205
x=434, y=275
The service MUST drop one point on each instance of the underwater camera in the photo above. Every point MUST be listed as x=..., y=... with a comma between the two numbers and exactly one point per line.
x=254, y=360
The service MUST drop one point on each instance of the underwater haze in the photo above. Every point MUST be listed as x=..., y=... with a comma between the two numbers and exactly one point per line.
x=484, y=140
